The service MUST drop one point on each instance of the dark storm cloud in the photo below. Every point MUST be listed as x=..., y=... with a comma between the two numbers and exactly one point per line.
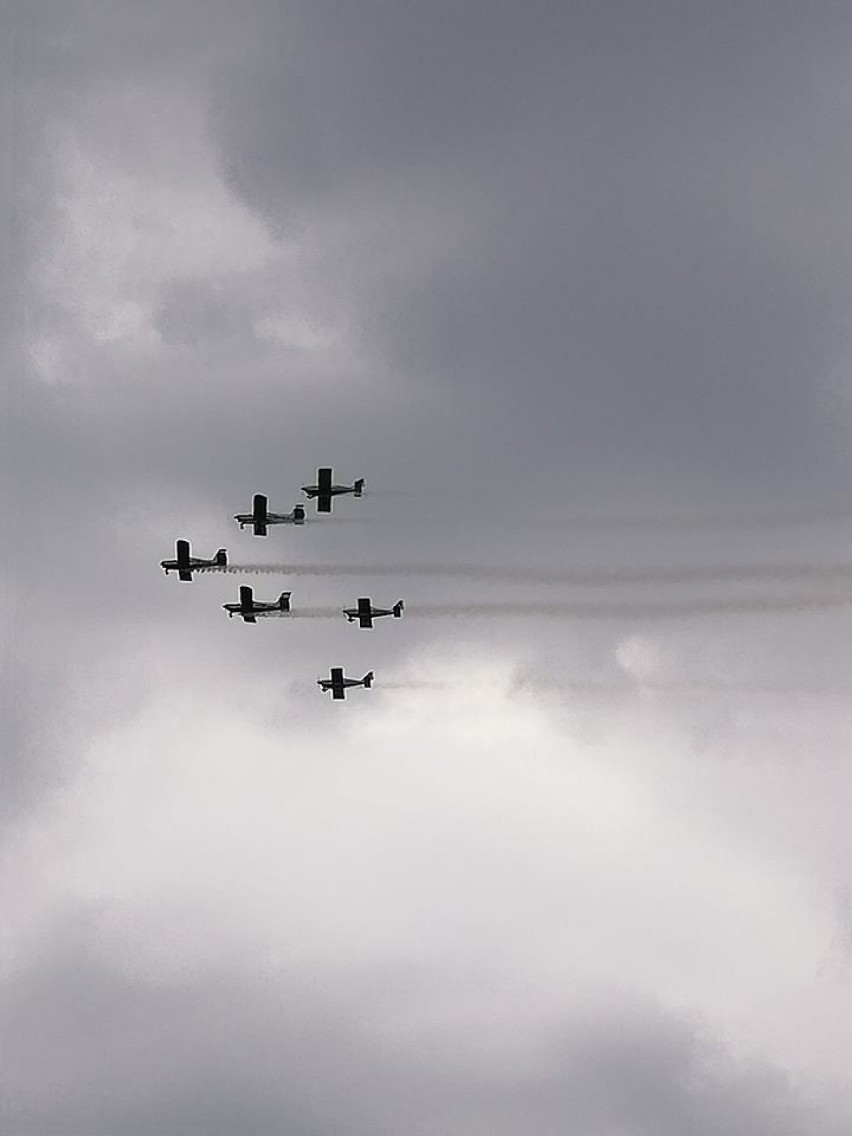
x=101, y=1053
x=625, y=301
x=61, y=46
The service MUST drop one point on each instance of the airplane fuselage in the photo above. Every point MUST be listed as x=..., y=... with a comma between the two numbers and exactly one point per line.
x=332, y=491
x=246, y=519
x=352, y=613
x=258, y=609
x=250, y=608
x=194, y=564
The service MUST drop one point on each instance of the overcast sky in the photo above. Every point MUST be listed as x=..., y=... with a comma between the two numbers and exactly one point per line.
x=568, y=284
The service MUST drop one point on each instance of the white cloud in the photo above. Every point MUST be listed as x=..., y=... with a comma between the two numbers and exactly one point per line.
x=453, y=829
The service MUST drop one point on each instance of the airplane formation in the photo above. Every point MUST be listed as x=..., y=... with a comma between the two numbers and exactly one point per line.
x=249, y=609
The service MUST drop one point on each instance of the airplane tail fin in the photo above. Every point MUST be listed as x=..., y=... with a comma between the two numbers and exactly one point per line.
x=284, y=601
x=299, y=514
x=367, y=680
x=397, y=609
x=221, y=558
x=359, y=487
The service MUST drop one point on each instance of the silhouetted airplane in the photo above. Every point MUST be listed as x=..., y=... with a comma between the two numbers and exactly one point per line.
x=324, y=490
x=337, y=684
x=249, y=608
x=365, y=613
x=260, y=516
x=185, y=565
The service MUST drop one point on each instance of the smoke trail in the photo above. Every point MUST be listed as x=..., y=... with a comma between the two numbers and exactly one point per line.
x=301, y=613
x=414, y=684
x=676, y=609
x=627, y=686
x=675, y=686
x=579, y=522
x=576, y=577
x=637, y=686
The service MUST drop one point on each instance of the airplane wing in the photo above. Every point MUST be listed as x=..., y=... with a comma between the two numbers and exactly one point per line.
x=184, y=574
x=365, y=612
x=259, y=509
x=324, y=490
x=338, y=690
x=246, y=598
x=248, y=617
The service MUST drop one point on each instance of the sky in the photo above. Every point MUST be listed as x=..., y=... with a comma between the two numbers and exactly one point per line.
x=568, y=285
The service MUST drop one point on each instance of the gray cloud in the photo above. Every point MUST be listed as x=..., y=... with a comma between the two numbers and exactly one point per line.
x=118, y=1055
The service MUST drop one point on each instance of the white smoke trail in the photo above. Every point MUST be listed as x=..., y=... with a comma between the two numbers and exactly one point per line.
x=676, y=609
x=692, y=522
x=637, y=686
x=300, y=613
x=598, y=577
x=693, y=685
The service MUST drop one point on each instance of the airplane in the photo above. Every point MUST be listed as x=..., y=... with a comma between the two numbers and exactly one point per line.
x=324, y=490
x=185, y=565
x=250, y=609
x=260, y=517
x=365, y=613
x=337, y=684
